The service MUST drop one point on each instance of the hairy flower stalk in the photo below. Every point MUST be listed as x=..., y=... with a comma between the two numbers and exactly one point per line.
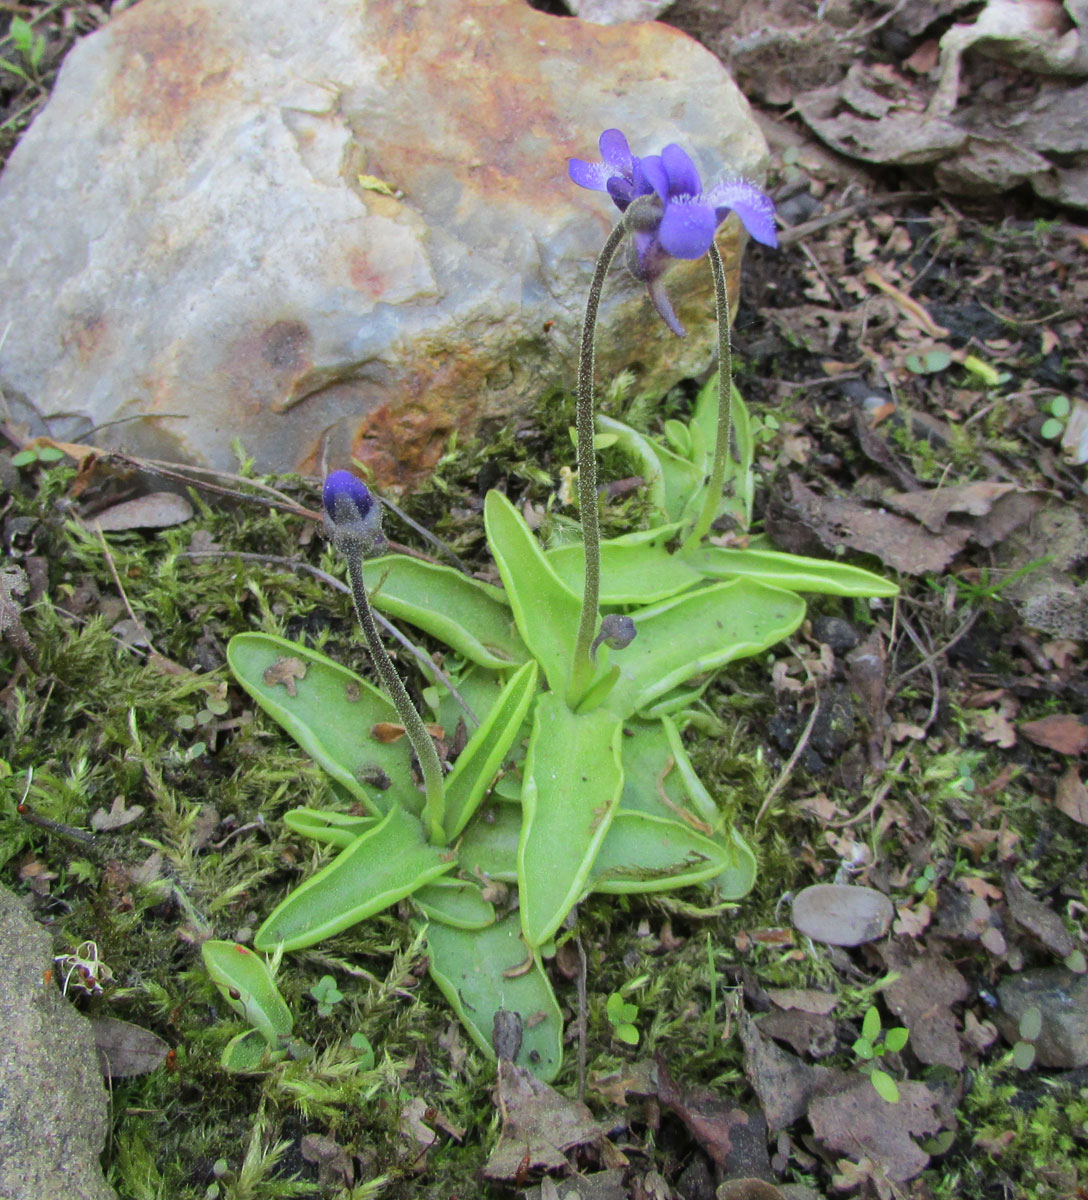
x=724, y=434
x=353, y=521
x=670, y=216
x=582, y=669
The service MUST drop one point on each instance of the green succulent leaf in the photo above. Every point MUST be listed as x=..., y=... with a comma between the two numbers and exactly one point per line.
x=699, y=632
x=488, y=747
x=248, y=987
x=793, y=572
x=470, y=616
x=886, y=1087
x=573, y=781
x=545, y=609
x=456, y=902
x=330, y=712
x=382, y=866
x=484, y=971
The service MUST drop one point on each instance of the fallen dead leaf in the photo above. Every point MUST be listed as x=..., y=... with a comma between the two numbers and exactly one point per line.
x=1036, y=918
x=922, y=997
x=783, y=1084
x=932, y=508
x=1071, y=797
x=856, y=1123
x=117, y=818
x=734, y=1138
x=1062, y=732
x=125, y=1049
x=537, y=1123
x=808, y=523
x=334, y=1165
x=806, y=1033
x=805, y=999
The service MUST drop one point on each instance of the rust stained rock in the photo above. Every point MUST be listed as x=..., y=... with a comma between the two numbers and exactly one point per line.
x=349, y=235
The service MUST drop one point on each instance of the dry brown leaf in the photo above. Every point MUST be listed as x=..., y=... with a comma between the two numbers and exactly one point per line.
x=125, y=1049
x=117, y=818
x=537, y=1123
x=1037, y=918
x=783, y=1083
x=334, y=1165
x=922, y=997
x=285, y=671
x=1062, y=732
x=1071, y=797
x=807, y=1033
x=856, y=1123
x=804, y=999
x=932, y=508
x=809, y=523
x=735, y=1139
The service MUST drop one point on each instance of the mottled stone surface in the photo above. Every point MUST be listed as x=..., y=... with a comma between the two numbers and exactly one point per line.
x=53, y=1105
x=1062, y=1000
x=188, y=242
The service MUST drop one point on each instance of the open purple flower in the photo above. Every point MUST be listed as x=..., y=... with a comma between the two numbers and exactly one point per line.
x=688, y=218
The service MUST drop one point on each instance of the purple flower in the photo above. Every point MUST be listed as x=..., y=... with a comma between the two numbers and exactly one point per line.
x=688, y=217
x=353, y=516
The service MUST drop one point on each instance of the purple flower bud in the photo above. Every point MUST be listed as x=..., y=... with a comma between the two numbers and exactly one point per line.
x=353, y=516
x=617, y=631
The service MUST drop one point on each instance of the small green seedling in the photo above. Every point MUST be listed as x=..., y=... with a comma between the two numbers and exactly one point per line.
x=327, y=995
x=929, y=363
x=360, y=1043
x=875, y=1043
x=1054, y=426
x=1031, y=1026
x=30, y=47
x=44, y=456
x=621, y=1014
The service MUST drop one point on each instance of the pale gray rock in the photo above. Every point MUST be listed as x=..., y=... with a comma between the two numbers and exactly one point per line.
x=842, y=914
x=53, y=1104
x=616, y=12
x=198, y=242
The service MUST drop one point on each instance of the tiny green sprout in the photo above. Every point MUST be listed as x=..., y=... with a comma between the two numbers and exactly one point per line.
x=327, y=995
x=875, y=1043
x=989, y=376
x=44, y=456
x=929, y=363
x=1076, y=962
x=1054, y=426
x=31, y=48
x=621, y=1014
x=360, y=1043
x=1031, y=1026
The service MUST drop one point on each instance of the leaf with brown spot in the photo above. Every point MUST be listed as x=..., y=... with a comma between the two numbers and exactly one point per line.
x=1062, y=732
x=857, y=1123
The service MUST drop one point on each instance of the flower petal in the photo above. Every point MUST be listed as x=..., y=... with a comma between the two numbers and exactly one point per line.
x=683, y=177
x=622, y=191
x=651, y=176
x=687, y=228
x=615, y=151
x=594, y=175
x=664, y=308
x=755, y=208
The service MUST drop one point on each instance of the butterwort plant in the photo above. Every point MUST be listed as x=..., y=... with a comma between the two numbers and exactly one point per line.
x=567, y=691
